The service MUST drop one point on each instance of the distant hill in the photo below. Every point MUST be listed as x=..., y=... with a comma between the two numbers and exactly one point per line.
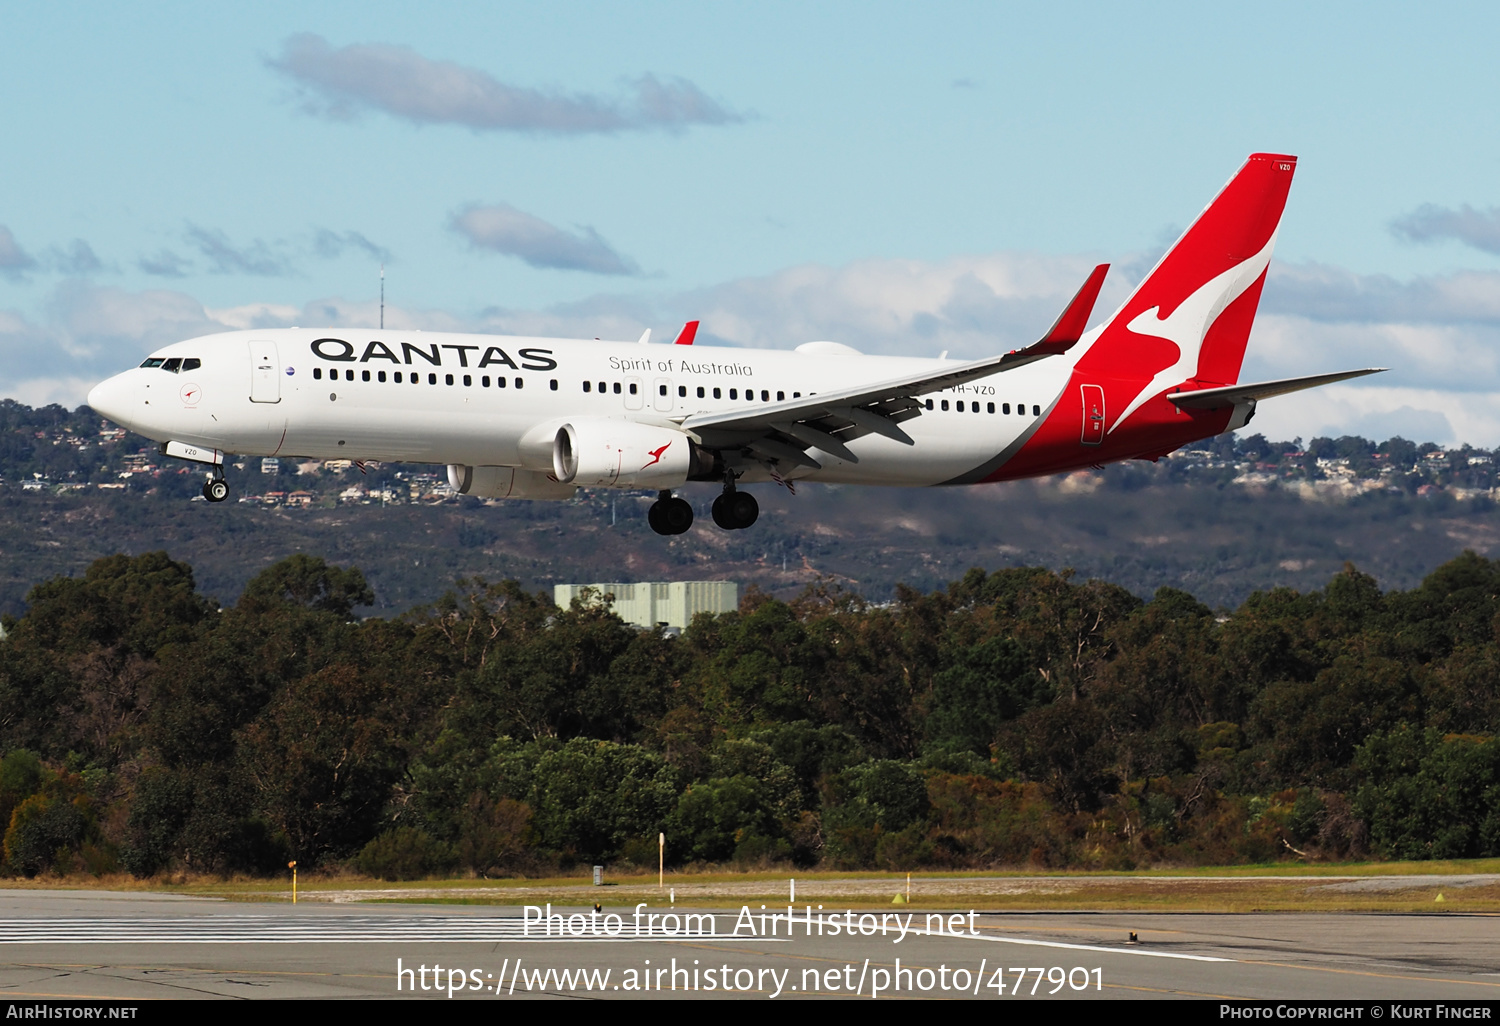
x=1240, y=515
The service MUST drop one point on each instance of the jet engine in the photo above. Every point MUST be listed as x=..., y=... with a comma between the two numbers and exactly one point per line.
x=622, y=454
x=506, y=483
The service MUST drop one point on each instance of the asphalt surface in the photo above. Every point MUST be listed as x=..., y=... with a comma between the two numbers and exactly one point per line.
x=127, y=947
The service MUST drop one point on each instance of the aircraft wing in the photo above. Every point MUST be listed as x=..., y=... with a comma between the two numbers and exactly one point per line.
x=1233, y=395
x=828, y=420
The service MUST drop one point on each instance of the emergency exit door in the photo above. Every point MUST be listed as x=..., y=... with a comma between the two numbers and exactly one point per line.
x=1093, y=415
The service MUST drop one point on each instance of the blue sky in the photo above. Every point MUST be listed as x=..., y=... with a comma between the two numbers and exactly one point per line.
x=900, y=179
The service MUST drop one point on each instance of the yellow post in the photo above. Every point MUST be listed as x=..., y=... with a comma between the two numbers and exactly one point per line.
x=293, y=867
x=661, y=860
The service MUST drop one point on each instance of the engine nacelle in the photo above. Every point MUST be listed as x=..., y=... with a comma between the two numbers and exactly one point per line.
x=506, y=483
x=621, y=454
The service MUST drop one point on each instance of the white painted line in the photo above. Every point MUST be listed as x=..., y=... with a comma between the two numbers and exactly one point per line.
x=1096, y=947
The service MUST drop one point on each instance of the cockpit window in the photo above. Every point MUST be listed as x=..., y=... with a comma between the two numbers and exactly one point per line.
x=173, y=365
x=191, y=363
x=155, y=361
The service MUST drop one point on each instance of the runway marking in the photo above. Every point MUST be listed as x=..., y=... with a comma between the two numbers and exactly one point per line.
x=340, y=930
x=1098, y=947
x=1360, y=972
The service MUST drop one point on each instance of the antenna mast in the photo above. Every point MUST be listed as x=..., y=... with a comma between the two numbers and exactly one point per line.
x=382, y=297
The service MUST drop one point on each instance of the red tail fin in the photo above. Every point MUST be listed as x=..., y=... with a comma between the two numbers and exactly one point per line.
x=1190, y=318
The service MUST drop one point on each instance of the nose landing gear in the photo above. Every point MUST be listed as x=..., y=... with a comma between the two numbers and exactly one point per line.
x=216, y=489
x=669, y=515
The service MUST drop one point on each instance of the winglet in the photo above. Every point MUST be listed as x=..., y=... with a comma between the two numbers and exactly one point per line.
x=1070, y=326
x=645, y=337
x=688, y=333
x=1067, y=330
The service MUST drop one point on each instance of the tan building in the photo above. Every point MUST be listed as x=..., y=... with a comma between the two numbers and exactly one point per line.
x=649, y=603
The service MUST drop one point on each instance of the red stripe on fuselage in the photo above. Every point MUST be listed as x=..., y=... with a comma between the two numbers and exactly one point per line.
x=1156, y=426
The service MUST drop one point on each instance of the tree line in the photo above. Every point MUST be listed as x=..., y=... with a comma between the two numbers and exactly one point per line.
x=1018, y=717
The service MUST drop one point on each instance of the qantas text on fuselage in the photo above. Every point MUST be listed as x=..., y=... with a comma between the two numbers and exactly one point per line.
x=536, y=418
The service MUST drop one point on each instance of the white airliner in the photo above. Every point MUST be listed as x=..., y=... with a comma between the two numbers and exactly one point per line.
x=536, y=418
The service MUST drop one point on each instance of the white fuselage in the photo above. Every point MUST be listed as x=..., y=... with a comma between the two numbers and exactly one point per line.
x=426, y=397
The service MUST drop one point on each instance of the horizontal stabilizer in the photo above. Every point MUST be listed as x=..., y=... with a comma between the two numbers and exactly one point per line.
x=1233, y=395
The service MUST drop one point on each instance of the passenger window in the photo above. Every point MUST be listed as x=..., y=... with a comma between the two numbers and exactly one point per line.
x=633, y=389
x=520, y=382
x=717, y=394
x=154, y=361
x=499, y=382
x=617, y=388
x=682, y=391
x=781, y=397
x=602, y=388
x=1005, y=407
x=700, y=391
x=734, y=393
x=173, y=365
x=588, y=386
x=191, y=363
x=317, y=373
x=468, y=381
x=432, y=379
x=798, y=395
x=1021, y=409
x=348, y=375
x=381, y=376
x=484, y=382
x=448, y=378
x=929, y=404
x=398, y=377
x=661, y=389
x=960, y=406
x=945, y=404
x=364, y=375
x=1036, y=411
x=990, y=407
x=553, y=386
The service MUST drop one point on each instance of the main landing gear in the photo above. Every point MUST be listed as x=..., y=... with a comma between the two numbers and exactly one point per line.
x=216, y=489
x=735, y=510
x=669, y=515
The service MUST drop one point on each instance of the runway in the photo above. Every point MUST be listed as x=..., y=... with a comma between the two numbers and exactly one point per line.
x=127, y=947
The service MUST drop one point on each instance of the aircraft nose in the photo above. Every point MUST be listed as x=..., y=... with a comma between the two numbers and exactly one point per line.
x=108, y=399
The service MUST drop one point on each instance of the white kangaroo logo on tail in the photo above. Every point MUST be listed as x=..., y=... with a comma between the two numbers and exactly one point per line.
x=1188, y=325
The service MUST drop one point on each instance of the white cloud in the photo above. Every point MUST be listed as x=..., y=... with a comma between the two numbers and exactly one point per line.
x=79, y=258
x=341, y=82
x=971, y=306
x=331, y=245
x=504, y=229
x=1327, y=293
x=14, y=261
x=224, y=257
x=1430, y=223
x=1444, y=350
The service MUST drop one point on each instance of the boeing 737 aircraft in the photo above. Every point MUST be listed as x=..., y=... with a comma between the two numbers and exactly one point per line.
x=536, y=418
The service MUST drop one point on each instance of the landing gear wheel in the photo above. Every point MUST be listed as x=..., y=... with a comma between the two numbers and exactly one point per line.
x=670, y=516
x=215, y=489
x=735, y=511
